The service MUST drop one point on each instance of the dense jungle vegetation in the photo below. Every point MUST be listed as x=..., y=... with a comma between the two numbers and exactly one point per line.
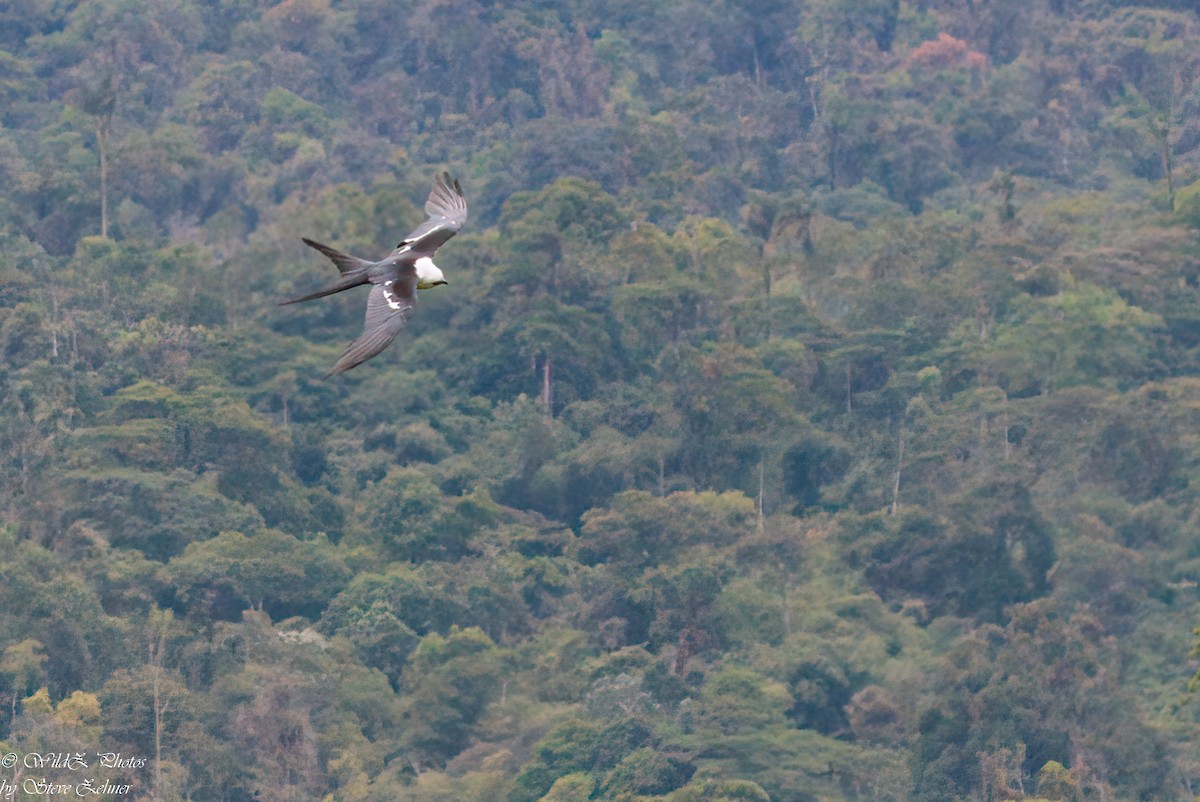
x=812, y=414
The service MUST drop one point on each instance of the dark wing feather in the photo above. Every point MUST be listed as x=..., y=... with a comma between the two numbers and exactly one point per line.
x=447, y=210
x=446, y=199
x=370, y=344
x=389, y=306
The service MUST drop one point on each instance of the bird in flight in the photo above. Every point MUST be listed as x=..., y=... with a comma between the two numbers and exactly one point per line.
x=396, y=278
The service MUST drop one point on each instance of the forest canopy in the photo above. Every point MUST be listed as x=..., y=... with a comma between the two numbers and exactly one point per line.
x=811, y=413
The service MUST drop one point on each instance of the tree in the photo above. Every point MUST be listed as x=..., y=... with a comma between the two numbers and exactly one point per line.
x=733, y=413
x=1016, y=706
x=640, y=530
x=575, y=746
x=738, y=700
x=995, y=522
x=276, y=728
x=23, y=664
x=100, y=102
x=1085, y=335
x=408, y=514
x=268, y=570
x=145, y=708
x=447, y=684
x=647, y=772
x=761, y=446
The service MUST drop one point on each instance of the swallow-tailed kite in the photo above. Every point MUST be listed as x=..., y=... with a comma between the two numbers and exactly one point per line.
x=395, y=279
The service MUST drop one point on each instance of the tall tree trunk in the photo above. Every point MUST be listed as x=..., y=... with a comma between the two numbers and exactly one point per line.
x=767, y=295
x=102, y=126
x=849, y=397
x=53, y=323
x=899, y=467
x=547, y=397
x=1167, y=166
x=156, y=659
x=760, y=495
x=787, y=605
x=158, y=721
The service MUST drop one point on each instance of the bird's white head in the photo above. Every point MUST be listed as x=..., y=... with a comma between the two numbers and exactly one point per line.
x=428, y=274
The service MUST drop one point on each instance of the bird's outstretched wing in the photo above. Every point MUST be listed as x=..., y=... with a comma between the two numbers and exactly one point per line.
x=389, y=306
x=447, y=210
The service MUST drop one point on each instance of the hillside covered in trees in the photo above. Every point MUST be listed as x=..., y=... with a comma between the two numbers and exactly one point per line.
x=812, y=414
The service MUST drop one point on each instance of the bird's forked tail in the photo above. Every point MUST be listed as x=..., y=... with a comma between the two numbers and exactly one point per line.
x=353, y=270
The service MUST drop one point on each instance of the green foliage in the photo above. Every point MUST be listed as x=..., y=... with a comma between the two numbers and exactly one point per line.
x=1187, y=204
x=1011, y=553
x=811, y=413
x=737, y=700
x=1084, y=335
x=1054, y=781
x=639, y=528
x=268, y=570
x=576, y=787
x=577, y=745
x=647, y=772
x=721, y=791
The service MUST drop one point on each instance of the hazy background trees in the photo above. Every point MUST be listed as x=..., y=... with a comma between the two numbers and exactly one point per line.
x=810, y=415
